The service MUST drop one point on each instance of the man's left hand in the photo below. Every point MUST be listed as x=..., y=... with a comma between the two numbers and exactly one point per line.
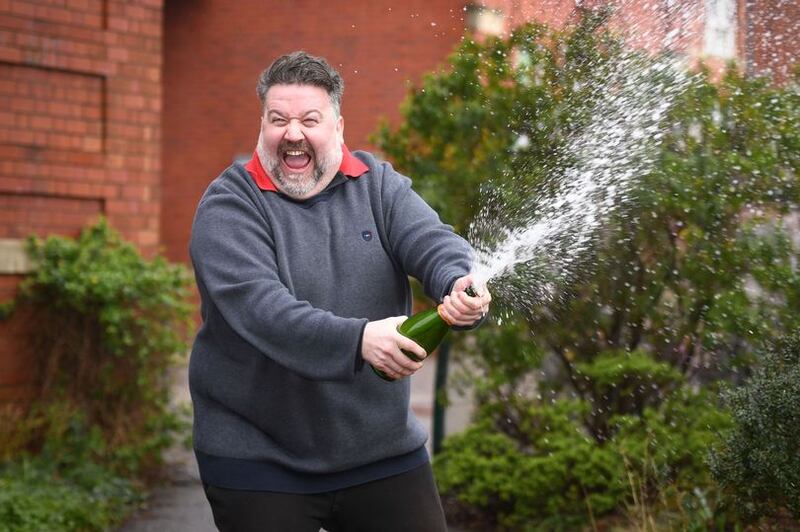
x=463, y=310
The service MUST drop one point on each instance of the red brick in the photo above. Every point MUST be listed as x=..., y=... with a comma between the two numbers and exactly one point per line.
x=17, y=394
x=9, y=286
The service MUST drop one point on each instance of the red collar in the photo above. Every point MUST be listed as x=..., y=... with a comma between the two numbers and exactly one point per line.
x=351, y=167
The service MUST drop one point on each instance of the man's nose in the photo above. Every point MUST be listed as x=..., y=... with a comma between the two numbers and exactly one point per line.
x=293, y=131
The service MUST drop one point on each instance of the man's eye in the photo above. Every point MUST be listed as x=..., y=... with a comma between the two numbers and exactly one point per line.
x=278, y=121
x=310, y=122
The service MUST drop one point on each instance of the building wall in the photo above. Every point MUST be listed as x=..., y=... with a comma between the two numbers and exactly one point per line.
x=80, y=83
x=773, y=37
x=763, y=37
x=215, y=50
x=653, y=25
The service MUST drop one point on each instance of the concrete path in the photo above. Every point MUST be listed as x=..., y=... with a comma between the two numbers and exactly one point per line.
x=181, y=506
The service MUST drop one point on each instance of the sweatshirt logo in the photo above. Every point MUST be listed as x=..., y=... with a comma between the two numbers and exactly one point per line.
x=366, y=235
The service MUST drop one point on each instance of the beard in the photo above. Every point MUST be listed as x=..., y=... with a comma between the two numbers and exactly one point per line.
x=296, y=185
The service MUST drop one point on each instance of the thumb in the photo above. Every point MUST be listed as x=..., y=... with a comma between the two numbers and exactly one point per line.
x=398, y=320
x=462, y=283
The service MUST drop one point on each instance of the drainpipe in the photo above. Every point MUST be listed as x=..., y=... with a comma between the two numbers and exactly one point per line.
x=442, y=362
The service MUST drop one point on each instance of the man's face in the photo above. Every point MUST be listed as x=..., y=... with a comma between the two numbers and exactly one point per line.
x=301, y=139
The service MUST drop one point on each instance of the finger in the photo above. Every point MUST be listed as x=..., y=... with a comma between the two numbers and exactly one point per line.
x=405, y=362
x=405, y=372
x=481, y=289
x=467, y=319
x=412, y=347
x=462, y=283
x=466, y=302
x=394, y=368
x=394, y=375
x=455, y=304
x=398, y=320
x=453, y=319
x=461, y=311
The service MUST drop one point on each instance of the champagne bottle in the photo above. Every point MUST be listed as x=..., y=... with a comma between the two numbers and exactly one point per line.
x=427, y=328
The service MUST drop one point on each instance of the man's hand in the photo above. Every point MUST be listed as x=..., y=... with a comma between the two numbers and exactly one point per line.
x=381, y=346
x=463, y=310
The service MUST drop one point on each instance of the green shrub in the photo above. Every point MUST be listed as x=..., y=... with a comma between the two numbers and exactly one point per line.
x=667, y=446
x=553, y=482
x=105, y=325
x=758, y=462
x=35, y=497
x=65, y=487
x=553, y=475
x=620, y=383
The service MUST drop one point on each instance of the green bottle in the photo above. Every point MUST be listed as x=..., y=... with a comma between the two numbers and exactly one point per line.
x=427, y=328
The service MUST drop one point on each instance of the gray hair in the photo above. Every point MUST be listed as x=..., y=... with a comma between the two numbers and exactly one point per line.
x=300, y=68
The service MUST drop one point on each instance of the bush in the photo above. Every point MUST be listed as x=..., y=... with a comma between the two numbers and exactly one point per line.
x=105, y=326
x=64, y=488
x=33, y=498
x=758, y=463
x=621, y=383
x=554, y=481
x=546, y=472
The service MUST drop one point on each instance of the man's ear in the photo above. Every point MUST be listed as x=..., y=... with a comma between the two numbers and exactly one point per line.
x=340, y=128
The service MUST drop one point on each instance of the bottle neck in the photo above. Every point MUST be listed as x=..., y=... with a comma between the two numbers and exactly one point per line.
x=439, y=310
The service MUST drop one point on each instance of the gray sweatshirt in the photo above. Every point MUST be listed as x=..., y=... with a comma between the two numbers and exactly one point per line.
x=287, y=287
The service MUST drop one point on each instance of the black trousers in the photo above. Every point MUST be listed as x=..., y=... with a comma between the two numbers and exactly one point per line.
x=402, y=503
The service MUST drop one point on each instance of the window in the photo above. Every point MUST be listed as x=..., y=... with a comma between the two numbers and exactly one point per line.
x=720, y=30
x=483, y=20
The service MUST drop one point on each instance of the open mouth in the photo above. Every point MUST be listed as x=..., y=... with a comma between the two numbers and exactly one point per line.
x=296, y=160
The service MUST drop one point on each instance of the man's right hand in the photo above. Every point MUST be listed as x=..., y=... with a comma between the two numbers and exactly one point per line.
x=381, y=346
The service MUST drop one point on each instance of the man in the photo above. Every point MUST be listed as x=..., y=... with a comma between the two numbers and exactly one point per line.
x=301, y=259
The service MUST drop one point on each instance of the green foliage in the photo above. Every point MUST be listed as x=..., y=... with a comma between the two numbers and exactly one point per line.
x=64, y=487
x=550, y=483
x=758, y=463
x=621, y=383
x=6, y=310
x=670, y=442
x=105, y=325
x=33, y=498
x=546, y=472
x=686, y=281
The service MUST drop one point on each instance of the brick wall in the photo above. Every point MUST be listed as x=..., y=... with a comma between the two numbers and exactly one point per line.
x=80, y=83
x=773, y=42
x=766, y=30
x=215, y=50
x=650, y=25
